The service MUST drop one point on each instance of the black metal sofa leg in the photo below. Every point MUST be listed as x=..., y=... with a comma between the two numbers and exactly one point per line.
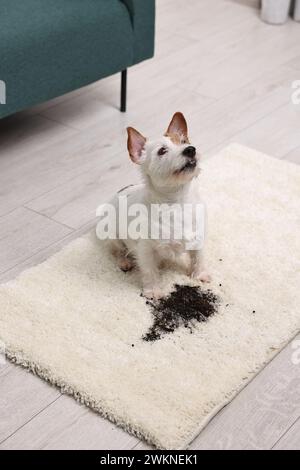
x=123, y=90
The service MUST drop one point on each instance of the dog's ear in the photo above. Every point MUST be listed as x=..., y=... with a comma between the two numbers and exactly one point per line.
x=178, y=126
x=135, y=144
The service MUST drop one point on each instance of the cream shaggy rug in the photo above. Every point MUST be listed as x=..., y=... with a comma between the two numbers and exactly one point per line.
x=78, y=322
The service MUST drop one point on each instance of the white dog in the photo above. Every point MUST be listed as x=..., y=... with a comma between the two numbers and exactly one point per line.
x=170, y=167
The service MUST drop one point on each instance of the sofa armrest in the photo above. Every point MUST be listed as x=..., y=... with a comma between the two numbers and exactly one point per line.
x=142, y=14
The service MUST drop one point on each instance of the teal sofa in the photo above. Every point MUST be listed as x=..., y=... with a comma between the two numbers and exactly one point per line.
x=51, y=47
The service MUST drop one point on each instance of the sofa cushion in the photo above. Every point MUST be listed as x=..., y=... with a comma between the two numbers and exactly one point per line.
x=48, y=48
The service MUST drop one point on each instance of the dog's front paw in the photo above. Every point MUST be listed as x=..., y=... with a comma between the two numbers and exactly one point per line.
x=125, y=264
x=202, y=276
x=153, y=293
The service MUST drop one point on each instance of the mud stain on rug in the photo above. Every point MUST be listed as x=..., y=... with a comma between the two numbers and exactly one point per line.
x=185, y=306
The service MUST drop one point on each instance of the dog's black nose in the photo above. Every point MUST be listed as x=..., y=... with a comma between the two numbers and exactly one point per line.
x=189, y=152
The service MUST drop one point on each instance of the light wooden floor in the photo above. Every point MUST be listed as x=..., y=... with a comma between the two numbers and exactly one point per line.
x=231, y=75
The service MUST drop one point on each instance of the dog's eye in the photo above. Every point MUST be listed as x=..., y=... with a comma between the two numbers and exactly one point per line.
x=162, y=151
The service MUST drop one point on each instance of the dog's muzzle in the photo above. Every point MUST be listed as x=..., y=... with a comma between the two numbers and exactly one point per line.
x=189, y=152
x=189, y=165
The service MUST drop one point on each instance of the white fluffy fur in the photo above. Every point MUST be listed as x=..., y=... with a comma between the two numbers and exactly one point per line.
x=74, y=318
